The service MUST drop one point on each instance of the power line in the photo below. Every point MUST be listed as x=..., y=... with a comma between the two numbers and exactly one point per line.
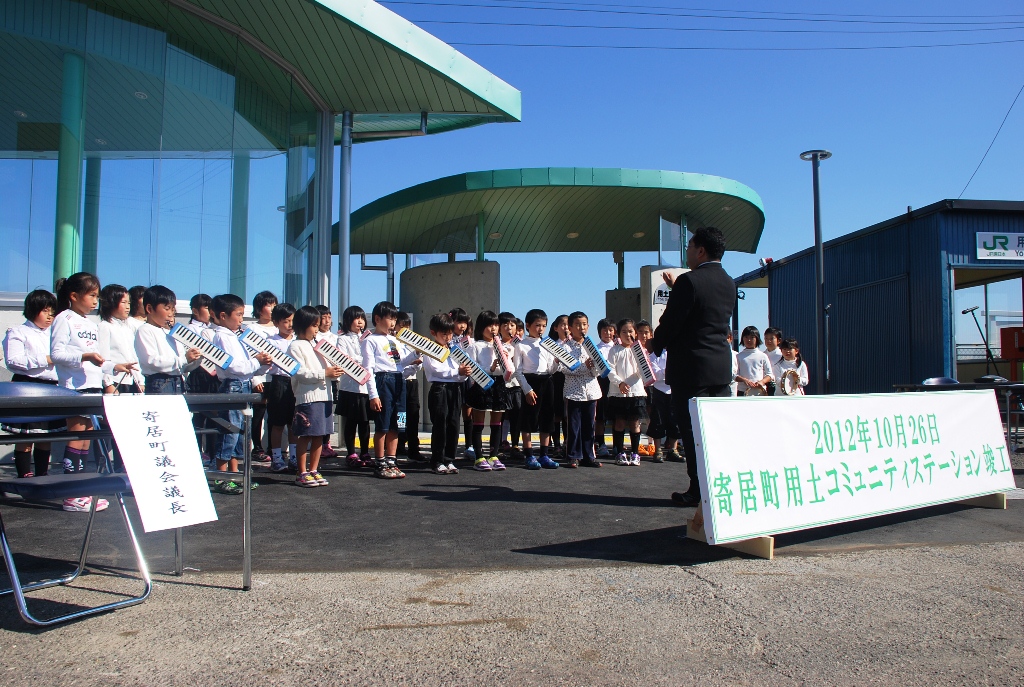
x=709, y=29
x=992, y=142
x=731, y=49
x=692, y=15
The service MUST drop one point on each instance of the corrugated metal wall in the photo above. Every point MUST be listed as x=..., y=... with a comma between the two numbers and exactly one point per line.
x=891, y=293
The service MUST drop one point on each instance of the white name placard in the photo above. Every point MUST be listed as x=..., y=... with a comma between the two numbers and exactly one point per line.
x=158, y=445
x=769, y=465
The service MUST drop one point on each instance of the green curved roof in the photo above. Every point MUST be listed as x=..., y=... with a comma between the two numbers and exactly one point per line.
x=534, y=210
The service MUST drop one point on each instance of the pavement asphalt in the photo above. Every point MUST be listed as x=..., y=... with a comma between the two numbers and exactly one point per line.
x=569, y=576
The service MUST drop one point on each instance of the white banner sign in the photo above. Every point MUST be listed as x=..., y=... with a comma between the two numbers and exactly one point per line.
x=158, y=445
x=769, y=465
x=992, y=246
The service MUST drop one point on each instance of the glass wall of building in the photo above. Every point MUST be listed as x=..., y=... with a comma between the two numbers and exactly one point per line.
x=150, y=155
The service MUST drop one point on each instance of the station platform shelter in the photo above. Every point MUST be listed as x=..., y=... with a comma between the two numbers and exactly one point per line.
x=893, y=315
x=542, y=210
x=191, y=142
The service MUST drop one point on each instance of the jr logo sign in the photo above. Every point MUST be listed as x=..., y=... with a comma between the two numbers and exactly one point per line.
x=992, y=246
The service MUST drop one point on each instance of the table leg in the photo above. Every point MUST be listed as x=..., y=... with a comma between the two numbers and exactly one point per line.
x=247, y=503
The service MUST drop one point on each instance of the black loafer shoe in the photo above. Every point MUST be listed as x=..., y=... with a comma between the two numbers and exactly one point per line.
x=686, y=499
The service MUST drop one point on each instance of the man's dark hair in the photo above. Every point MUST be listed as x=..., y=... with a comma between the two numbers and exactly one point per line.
x=37, y=301
x=281, y=312
x=226, y=303
x=441, y=323
x=711, y=240
x=158, y=295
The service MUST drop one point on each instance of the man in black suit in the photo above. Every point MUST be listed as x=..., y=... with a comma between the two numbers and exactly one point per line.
x=694, y=328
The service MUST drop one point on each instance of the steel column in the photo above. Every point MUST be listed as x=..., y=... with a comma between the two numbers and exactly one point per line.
x=239, y=244
x=821, y=352
x=345, y=212
x=91, y=221
x=67, y=246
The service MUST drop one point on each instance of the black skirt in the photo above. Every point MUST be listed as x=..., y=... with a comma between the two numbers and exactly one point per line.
x=354, y=406
x=626, y=408
x=497, y=398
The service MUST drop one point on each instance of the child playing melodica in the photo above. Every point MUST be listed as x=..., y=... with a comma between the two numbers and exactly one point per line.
x=444, y=398
x=74, y=340
x=755, y=370
x=605, y=342
x=263, y=305
x=314, y=415
x=386, y=386
x=627, y=398
x=663, y=427
x=27, y=355
x=326, y=321
x=463, y=336
x=559, y=332
x=163, y=361
x=409, y=438
x=535, y=367
x=581, y=394
x=353, y=397
x=229, y=312
x=791, y=360
x=278, y=392
x=494, y=400
x=508, y=331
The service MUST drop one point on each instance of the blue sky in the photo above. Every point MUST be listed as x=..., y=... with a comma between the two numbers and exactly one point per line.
x=906, y=127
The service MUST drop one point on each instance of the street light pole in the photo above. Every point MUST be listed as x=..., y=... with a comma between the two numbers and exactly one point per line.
x=821, y=353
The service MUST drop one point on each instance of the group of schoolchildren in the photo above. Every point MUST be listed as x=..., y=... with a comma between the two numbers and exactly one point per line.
x=531, y=390
x=759, y=372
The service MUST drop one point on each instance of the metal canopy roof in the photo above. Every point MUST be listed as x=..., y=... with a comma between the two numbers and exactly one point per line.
x=535, y=210
x=356, y=55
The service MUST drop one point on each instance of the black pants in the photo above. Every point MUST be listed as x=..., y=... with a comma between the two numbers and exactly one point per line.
x=411, y=434
x=681, y=407
x=579, y=430
x=444, y=404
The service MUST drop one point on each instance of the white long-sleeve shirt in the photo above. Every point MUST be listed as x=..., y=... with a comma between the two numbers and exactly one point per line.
x=781, y=368
x=243, y=366
x=754, y=365
x=350, y=345
x=117, y=343
x=309, y=384
x=410, y=371
x=266, y=330
x=624, y=369
x=158, y=353
x=774, y=357
x=734, y=385
x=658, y=364
x=281, y=344
x=531, y=358
x=26, y=347
x=381, y=353
x=448, y=371
x=71, y=335
x=484, y=354
x=581, y=383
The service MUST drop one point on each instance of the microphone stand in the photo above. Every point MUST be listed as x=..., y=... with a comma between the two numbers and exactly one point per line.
x=989, y=358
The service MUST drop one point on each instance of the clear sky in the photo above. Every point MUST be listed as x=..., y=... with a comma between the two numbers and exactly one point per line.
x=906, y=126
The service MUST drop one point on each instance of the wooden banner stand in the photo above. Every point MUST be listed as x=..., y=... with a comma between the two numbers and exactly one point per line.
x=760, y=547
x=764, y=547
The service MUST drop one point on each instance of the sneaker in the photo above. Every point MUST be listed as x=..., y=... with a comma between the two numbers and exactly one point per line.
x=27, y=475
x=496, y=464
x=319, y=478
x=83, y=504
x=393, y=466
x=634, y=459
x=603, y=451
x=505, y=446
x=227, y=487
x=532, y=463
x=674, y=457
x=353, y=461
x=418, y=457
x=452, y=470
x=470, y=453
x=592, y=462
x=482, y=465
x=623, y=459
x=260, y=457
x=293, y=464
x=548, y=462
x=573, y=463
x=659, y=457
x=385, y=471
x=306, y=479
x=440, y=469
x=279, y=466
x=326, y=451
x=367, y=461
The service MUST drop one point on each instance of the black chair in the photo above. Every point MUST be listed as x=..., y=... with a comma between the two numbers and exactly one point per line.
x=51, y=487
